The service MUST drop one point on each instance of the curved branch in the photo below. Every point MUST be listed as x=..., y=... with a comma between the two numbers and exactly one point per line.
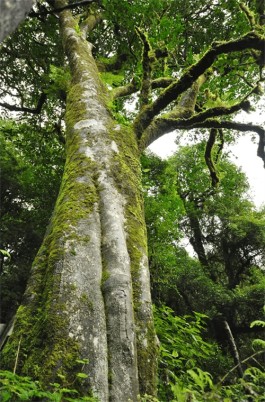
x=220, y=145
x=162, y=126
x=220, y=111
x=249, y=41
x=35, y=110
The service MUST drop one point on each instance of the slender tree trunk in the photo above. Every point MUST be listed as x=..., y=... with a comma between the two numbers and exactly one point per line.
x=89, y=292
x=233, y=348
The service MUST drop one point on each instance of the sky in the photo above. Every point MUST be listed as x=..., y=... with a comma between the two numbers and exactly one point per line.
x=244, y=155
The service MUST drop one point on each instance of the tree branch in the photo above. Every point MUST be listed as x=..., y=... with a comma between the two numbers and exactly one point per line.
x=147, y=60
x=43, y=10
x=162, y=126
x=162, y=82
x=35, y=110
x=126, y=90
x=134, y=86
x=249, y=41
x=208, y=156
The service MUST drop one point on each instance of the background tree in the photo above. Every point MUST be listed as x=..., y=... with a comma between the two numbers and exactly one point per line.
x=30, y=177
x=226, y=281
x=88, y=295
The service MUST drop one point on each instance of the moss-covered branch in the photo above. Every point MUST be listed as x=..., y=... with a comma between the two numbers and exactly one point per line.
x=186, y=104
x=126, y=90
x=220, y=145
x=162, y=82
x=249, y=14
x=162, y=126
x=208, y=156
x=112, y=64
x=220, y=111
x=147, y=60
x=252, y=40
x=134, y=86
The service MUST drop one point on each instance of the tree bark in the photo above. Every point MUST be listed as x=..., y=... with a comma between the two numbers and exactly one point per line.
x=12, y=13
x=89, y=292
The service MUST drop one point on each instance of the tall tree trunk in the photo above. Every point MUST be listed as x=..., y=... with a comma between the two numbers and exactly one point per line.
x=89, y=292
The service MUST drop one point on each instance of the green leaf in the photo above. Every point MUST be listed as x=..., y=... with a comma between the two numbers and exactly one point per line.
x=257, y=323
x=5, y=253
x=81, y=375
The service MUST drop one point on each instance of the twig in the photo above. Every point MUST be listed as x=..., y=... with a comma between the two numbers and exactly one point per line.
x=243, y=361
x=18, y=350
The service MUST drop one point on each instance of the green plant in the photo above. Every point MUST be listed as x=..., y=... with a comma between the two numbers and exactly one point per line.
x=182, y=353
x=14, y=388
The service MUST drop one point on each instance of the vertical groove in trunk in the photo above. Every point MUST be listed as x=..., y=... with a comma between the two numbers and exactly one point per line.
x=117, y=290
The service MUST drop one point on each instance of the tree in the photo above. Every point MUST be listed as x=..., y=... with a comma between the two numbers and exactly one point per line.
x=88, y=296
x=227, y=235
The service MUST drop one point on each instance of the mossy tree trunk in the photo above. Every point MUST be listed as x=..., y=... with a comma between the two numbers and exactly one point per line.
x=89, y=292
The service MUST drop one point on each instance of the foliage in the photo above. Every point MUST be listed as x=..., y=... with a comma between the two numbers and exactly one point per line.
x=183, y=361
x=163, y=209
x=30, y=178
x=223, y=227
x=17, y=388
x=222, y=216
x=182, y=349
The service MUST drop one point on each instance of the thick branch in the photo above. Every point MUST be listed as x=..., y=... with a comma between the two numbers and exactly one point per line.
x=186, y=105
x=134, y=86
x=35, y=110
x=126, y=90
x=220, y=145
x=113, y=63
x=162, y=82
x=220, y=111
x=249, y=41
x=161, y=126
